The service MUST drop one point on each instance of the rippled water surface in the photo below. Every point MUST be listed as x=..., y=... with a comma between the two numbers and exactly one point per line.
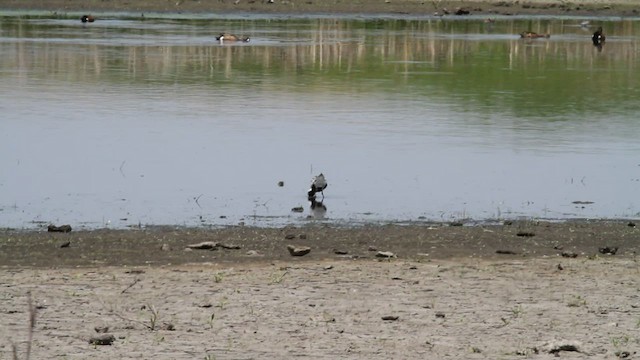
x=131, y=121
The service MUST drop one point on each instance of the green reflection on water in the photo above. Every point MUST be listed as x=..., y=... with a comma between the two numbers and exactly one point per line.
x=481, y=67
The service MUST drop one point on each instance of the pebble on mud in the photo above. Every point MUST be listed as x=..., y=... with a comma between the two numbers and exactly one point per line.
x=168, y=327
x=61, y=228
x=554, y=347
x=205, y=245
x=230, y=246
x=298, y=250
x=608, y=250
x=104, y=339
x=525, y=234
x=212, y=245
x=623, y=354
x=385, y=254
x=101, y=329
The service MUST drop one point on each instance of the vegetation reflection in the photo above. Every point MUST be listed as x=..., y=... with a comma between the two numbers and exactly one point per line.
x=470, y=60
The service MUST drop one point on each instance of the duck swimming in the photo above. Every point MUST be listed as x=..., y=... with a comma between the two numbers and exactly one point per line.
x=532, y=35
x=598, y=37
x=230, y=37
x=87, y=18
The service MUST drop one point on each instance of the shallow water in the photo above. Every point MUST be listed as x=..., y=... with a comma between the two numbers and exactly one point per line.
x=131, y=121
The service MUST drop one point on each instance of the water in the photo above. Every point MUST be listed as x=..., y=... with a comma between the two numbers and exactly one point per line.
x=128, y=122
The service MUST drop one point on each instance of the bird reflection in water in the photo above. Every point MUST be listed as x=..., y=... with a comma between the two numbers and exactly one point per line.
x=318, y=209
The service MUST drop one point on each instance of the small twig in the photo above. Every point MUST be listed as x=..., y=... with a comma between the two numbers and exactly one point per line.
x=122, y=317
x=32, y=324
x=130, y=285
x=121, y=167
x=196, y=199
x=153, y=319
x=277, y=279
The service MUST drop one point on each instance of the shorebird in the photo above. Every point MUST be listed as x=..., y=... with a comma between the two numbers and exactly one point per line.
x=87, y=18
x=318, y=184
x=230, y=37
x=598, y=37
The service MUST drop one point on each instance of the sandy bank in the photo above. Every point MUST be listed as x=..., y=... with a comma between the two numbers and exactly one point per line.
x=411, y=7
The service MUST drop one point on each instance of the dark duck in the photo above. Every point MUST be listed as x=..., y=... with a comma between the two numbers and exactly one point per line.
x=598, y=37
x=87, y=18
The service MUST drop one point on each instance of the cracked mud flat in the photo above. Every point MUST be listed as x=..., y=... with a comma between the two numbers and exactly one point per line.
x=450, y=293
x=464, y=308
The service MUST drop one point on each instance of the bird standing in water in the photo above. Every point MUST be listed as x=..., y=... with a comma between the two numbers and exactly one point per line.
x=598, y=37
x=318, y=184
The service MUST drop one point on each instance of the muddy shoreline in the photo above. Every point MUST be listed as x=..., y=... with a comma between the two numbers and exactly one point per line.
x=169, y=246
x=346, y=7
x=510, y=291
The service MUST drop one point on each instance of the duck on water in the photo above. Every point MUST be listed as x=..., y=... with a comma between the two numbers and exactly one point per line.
x=598, y=37
x=231, y=38
x=533, y=35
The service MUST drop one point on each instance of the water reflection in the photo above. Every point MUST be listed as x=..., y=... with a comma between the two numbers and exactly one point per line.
x=487, y=64
x=318, y=208
x=128, y=121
